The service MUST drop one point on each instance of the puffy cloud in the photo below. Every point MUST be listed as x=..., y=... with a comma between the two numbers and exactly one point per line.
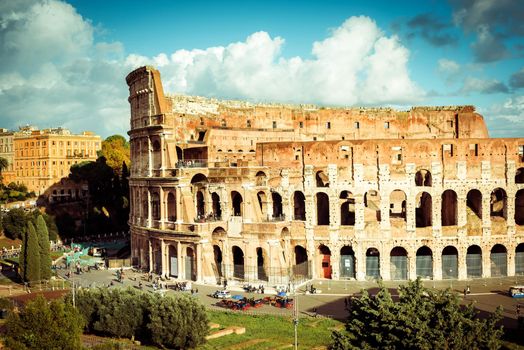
x=356, y=64
x=516, y=81
x=505, y=119
x=472, y=85
x=488, y=47
x=432, y=29
x=53, y=72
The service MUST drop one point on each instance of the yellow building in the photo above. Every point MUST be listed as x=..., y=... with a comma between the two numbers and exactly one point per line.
x=7, y=152
x=43, y=157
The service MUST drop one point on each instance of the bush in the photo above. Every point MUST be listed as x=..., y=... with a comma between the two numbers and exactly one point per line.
x=46, y=326
x=171, y=321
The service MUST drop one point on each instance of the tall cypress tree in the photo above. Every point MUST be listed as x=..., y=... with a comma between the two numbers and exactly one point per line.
x=22, y=262
x=32, y=271
x=43, y=241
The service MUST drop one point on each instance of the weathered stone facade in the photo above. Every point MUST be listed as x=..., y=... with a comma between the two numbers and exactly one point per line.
x=228, y=189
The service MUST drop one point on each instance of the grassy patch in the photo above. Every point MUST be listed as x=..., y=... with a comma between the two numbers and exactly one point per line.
x=56, y=255
x=270, y=332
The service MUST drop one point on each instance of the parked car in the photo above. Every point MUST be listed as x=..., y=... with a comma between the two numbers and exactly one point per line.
x=221, y=294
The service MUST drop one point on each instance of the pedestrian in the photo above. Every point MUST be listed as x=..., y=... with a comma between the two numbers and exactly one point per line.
x=518, y=311
x=315, y=312
x=468, y=290
x=196, y=291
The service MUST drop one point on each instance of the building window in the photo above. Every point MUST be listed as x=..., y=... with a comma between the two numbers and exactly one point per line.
x=301, y=125
x=357, y=125
x=248, y=123
x=328, y=125
x=386, y=125
x=223, y=123
x=274, y=125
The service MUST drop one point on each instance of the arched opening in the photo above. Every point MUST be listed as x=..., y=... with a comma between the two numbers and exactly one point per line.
x=277, y=206
x=260, y=179
x=322, y=179
x=155, y=206
x=190, y=264
x=171, y=207
x=217, y=211
x=173, y=261
x=498, y=203
x=236, y=200
x=519, y=259
x=449, y=208
x=499, y=261
x=474, y=261
x=347, y=262
x=157, y=155
x=322, y=209
x=217, y=254
x=299, y=206
x=200, y=205
x=325, y=261
x=347, y=209
x=519, y=176
x=449, y=263
x=261, y=268
x=423, y=210
x=397, y=205
x=424, y=262
x=145, y=206
x=199, y=180
x=372, y=206
x=474, y=206
x=372, y=263
x=423, y=178
x=519, y=207
x=238, y=262
x=179, y=153
x=262, y=202
x=398, y=264
x=301, y=262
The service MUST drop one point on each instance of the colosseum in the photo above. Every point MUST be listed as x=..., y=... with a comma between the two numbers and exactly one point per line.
x=278, y=193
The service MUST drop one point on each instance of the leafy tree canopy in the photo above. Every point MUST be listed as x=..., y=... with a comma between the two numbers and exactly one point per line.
x=116, y=150
x=421, y=319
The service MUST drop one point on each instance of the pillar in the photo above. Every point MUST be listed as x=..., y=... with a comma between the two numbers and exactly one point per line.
x=161, y=195
x=198, y=261
x=437, y=263
x=163, y=258
x=162, y=155
x=149, y=158
x=150, y=246
x=462, y=267
x=180, y=261
x=149, y=209
x=486, y=262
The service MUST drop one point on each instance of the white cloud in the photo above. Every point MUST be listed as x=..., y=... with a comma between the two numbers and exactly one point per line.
x=356, y=65
x=483, y=86
x=505, y=119
x=448, y=66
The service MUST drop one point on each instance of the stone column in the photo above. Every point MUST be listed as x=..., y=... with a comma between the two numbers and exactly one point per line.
x=149, y=158
x=461, y=214
x=335, y=263
x=437, y=263
x=149, y=210
x=334, y=210
x=161, y=195
x=412, y=265
x=359, y=212
x=462, y=267
x=360, y=262
x=436, y=215
x=410, y=214
x=163, y=258
x=511, y=261
x=510, y=212
x=385, y=268
x=180, y=261
x=486, y=262
x=150, y=246
x=198, y=261
x=162, y=155
x=178, y=206
x=486, y=218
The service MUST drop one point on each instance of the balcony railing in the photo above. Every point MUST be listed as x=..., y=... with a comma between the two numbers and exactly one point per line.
x=192, y=163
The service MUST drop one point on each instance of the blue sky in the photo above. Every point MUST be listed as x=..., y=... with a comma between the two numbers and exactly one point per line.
x=64, y=62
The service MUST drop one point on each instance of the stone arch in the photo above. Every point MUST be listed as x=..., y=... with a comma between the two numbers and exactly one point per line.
x=301, y=267
x=519, y=207
x=474, y=261
x=262, y=202
x=372, y=263
x=218, y=234
x=217, y=209
x=260, y=179
x=262, y=264
x=372, y=206
x=299, y=206
x=199, y=180
x=474, y=203
x=347, y=262
x=499, y=261
x=498, y=203
x=519, y=176
x=519, y=259
x=324, y=256
x=155, y=206
x=157, y=154
x=277, y=205
x=423, y=178
x=347, y=209
x=171, y=206
x=200, y=205
x=236, y=201
x=179, y=154
x=449, y=262
x=424, y=262
x=238, y=262
x=397, y=205
x=322, y=201
x=423, y=210
x=190, y=264
x=449, y=208
x=322, y=180
x=398, y=260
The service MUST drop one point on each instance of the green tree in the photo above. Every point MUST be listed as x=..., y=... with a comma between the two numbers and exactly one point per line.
x=43, y=242
x=421, y=319
x=15, y=223
x=3, y=165
x=22, y=258
x=32, y=264
x=116, y=151
x=46, y=326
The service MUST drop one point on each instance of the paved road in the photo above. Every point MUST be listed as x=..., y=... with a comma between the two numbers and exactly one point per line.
x=488, y=294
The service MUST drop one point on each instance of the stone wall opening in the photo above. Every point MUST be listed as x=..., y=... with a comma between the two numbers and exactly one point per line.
x=173, y=261
x=449, y=263
x=498, y=203
x=277, y=205
x=398, y=260
x=262, y=202
x=324, y=256
x=236, y=201
x=217, y=258
x=519, y=207
x=238, y=262
x=424, y=262
x=155, y=206
x=299, y=206
x=347, y=209
x=499, y=261
x=519, y=259
x=372, y=263
x=217, y=210
x=372, y=206
x=474, y=205
x=260, y=179
x=449, y=208
x=301, y=267
x=171, y=207
x=347, y=262
x=519, y=176
x=190, y=264
x=261, y=265
x=157, y=155
x=322, y=209
x=474, y=261
x=423, y=210
x=423, y=178
x=397, y=205
x=322, y=180
x=200, y=205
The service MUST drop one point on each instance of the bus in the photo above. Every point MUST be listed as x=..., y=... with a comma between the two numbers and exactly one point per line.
x=516, y=291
